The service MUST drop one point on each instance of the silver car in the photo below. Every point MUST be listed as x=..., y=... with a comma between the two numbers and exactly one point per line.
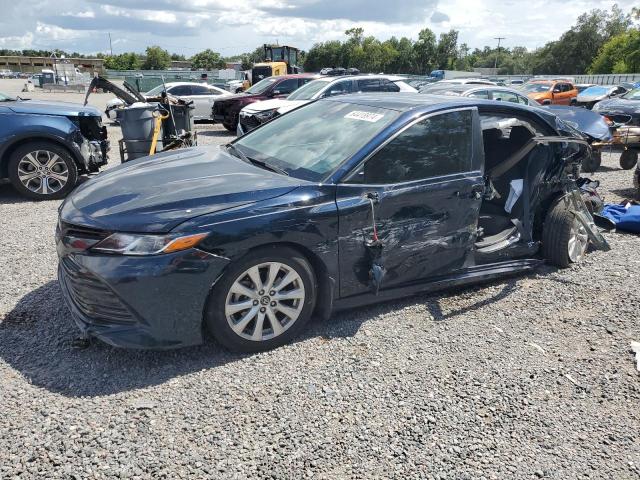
x=487, y=92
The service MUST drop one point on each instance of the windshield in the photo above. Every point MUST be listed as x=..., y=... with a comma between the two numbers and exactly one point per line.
x=262, y=85
x=155, y=92
x=307, y=91
x=597, y=90
x=632, y=95
x=312, y=141
x=536, y=87
x=6, y=98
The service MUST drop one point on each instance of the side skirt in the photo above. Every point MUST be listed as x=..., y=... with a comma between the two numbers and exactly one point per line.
x=471, y=275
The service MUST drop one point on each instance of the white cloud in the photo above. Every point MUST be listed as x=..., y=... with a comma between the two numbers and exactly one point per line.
x=186, y=26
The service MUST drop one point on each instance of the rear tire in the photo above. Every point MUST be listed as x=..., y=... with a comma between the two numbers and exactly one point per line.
x=564, y=239
x=247, y=311
x=42, y=170
x=628, y=159
x=229, y=127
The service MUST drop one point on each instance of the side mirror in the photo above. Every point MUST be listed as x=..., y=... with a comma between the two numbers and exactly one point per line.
x=556, y=90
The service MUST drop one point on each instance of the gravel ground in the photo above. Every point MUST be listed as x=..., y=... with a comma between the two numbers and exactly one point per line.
x=530, y=377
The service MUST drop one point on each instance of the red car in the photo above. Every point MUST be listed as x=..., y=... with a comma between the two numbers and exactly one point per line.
x=226, y=110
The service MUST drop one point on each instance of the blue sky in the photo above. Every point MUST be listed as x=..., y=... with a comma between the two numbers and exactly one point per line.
x=235, y=26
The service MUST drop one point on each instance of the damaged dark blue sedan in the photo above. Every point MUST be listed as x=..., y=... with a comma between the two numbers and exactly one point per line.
x=344, y=202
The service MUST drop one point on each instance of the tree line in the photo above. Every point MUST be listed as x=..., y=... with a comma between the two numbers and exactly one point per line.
x=600, y=42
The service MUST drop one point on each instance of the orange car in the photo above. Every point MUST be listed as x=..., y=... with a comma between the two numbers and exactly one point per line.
x=548, y=92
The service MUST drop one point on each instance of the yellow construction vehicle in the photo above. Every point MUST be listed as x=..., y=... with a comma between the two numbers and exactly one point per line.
x=279, y=60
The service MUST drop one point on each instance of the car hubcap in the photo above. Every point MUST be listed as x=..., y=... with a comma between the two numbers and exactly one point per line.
x=43, y=172
x=578, y=241
x=264, y=301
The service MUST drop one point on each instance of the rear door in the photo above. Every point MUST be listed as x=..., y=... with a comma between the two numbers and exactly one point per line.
x=202, y=99
x=422, y=190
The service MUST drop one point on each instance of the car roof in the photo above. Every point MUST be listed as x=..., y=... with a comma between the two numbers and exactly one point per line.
x=404, y=102
x=296, y=75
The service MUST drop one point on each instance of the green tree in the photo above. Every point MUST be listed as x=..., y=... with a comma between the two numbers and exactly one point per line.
x=446, y=50
x=123, y=61
x=424, y=51
x=207, y=60
x=156, y=59
x=621, y=54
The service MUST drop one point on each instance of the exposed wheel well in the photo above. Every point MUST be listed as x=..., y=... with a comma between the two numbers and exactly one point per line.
x=4, y=159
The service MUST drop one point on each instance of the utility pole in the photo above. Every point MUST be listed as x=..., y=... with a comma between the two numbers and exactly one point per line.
x=110, y=46
x=495, y=64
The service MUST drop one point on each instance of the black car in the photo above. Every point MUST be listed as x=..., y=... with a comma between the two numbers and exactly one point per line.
x=45, y=146
x=625, y=112
x=346, y=201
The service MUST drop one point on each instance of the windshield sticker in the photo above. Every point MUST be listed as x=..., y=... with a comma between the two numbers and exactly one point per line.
x=365, y=116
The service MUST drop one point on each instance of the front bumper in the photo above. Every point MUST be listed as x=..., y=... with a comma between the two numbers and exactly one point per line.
x=150, y=302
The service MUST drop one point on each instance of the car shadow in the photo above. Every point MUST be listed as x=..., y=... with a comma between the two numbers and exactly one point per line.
x=216, y=133
x=9, y=196
x=39, y=340
x=628, y=193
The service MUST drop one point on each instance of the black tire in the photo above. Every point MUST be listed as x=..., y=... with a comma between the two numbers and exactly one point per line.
x=628, y=159
x=592, y=163
x=51, y=148
x=556, y=234
x=229, y=127
x=216, y=319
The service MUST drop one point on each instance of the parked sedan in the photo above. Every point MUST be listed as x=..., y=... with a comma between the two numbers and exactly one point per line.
x=487, y=92
x=551, y=92
x=45, y=146
x=228, y=111
x=623, y=109
x=347, y=201
x=592, y=95
x=202, y=95
x=256, y=114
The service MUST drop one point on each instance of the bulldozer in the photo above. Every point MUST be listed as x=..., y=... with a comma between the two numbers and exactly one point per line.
x=279, y=60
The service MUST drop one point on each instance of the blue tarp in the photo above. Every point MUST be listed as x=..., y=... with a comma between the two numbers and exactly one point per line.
x=626, y=217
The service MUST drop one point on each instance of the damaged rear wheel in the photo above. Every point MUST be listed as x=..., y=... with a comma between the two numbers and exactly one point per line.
x=564, y=238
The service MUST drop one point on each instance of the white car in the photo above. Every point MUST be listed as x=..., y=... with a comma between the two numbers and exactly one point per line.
x=468, y=81
x=257, y=113
x=202, y=95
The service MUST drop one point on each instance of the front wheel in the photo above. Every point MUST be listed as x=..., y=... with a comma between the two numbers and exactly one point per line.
x=564, y=238
x=42, y=171
x=263, y=301
x=628, y=159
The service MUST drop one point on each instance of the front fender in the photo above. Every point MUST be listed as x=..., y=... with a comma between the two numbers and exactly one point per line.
x=22, y=128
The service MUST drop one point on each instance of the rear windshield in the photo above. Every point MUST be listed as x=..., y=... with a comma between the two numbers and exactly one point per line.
x=312, y=141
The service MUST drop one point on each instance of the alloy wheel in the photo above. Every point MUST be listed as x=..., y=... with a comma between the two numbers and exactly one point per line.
x=578, y=241
x=264, y=301
x=43, y=172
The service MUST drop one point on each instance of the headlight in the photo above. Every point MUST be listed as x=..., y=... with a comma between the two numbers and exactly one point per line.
x=266, y=114
x=134, y=244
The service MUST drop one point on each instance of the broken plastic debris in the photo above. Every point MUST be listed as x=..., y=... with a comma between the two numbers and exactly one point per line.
x=538, y=347
x=635, y=348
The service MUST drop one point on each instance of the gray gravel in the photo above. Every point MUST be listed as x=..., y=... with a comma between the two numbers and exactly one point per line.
x=530, y=377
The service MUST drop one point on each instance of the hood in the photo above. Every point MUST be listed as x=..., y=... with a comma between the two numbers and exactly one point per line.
x=291, y=104
x=585, y=121
x=156, y=194
x=42, y=107
x=618, y=105
x=265, y=105
x=235, y=96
